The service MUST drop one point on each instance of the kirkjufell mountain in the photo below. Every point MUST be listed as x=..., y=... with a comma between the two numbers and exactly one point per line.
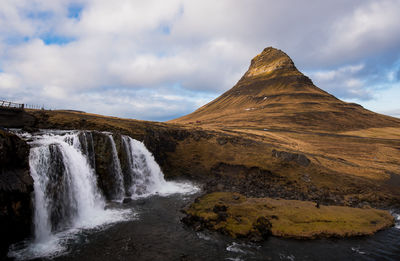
x=273, y=93
x=273, y=156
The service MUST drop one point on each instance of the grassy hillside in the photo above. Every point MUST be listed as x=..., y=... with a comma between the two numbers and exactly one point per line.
x=340, y=169
x=273, y=134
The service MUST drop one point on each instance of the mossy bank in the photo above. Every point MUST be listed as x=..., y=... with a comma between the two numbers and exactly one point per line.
x=257, y=218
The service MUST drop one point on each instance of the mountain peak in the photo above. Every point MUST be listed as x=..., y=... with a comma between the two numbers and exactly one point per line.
x=268, y=61
x=273, y=94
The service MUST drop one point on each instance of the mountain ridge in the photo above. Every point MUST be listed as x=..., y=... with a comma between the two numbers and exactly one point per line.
x=273, y=93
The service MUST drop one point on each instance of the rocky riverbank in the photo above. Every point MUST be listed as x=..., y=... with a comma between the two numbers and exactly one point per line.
x=259, y=183
x=16, y=186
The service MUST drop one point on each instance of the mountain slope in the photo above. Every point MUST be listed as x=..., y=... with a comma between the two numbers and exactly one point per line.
x=273, y=94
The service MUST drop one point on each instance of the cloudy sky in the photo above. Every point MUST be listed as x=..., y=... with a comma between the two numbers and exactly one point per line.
x=160, y=59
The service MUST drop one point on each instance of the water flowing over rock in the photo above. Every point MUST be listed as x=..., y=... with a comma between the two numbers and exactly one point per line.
x=119, y=190
x=66, y=192
x=145, y=176
x=65, y=168
x=66, y=196
x=107, y=165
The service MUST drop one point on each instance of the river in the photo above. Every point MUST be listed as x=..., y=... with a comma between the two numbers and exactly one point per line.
x=73, y=220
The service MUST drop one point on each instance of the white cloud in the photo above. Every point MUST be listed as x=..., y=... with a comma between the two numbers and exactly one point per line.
x=387, y=96
x=372, y=27
x=394, y=113
x=354, y=83
x=329, y=75
x=137, y=51
x=55, y=92
x=9, y=81
x=345, y=81
x=126, y=16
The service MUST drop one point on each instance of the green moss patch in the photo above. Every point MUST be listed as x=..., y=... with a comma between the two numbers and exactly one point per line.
x=256, y=218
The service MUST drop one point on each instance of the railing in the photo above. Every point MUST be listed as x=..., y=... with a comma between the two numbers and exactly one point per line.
x=19, y=106
x=35, y=107
x=11, y=105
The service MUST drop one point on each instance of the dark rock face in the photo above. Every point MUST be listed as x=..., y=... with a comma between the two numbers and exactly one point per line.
x=300, y=159
x=163, y=142
x=220, y=210
x=103, y=159
x=86, y=140
x=16, y=186
x=160, y=142
x=256, y=182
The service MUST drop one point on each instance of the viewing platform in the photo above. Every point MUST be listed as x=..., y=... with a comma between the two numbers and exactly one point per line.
x=11, y=106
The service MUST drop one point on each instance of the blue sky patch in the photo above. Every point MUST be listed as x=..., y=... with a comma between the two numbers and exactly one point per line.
x=40, y=15
x=16, y=40
x=165, y=29
x=57, y=39
x=74, y=11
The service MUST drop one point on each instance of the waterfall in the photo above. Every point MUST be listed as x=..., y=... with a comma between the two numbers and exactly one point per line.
x=66, y=196
x=117, y=171
x=66, y=192
x=145, y=176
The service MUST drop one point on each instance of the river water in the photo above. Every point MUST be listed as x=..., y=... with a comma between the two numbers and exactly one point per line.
x=158, y=234
x=73, y=221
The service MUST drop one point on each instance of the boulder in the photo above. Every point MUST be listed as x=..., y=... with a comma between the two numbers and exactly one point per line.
x=300, y=159
x=16, y=186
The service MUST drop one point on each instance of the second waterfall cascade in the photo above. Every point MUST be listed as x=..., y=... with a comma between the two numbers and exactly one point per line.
x=145, y=176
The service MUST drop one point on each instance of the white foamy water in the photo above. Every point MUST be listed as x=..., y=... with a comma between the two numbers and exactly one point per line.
x=203, y=236
x=66, y=197
x=396, y=220
x=119, y=179
x=67, y=200
x=287, y=257
x=236, y=248
x=358, y=250
x=146, y=176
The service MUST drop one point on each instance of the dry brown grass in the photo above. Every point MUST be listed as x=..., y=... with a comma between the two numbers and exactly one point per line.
x=275, y=104
x=380, y=133
x=374, y=159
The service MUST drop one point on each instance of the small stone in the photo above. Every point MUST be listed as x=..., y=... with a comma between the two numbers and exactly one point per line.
x=127, y=200
x=222, y=141
x=220, y=208
x=263, y=226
